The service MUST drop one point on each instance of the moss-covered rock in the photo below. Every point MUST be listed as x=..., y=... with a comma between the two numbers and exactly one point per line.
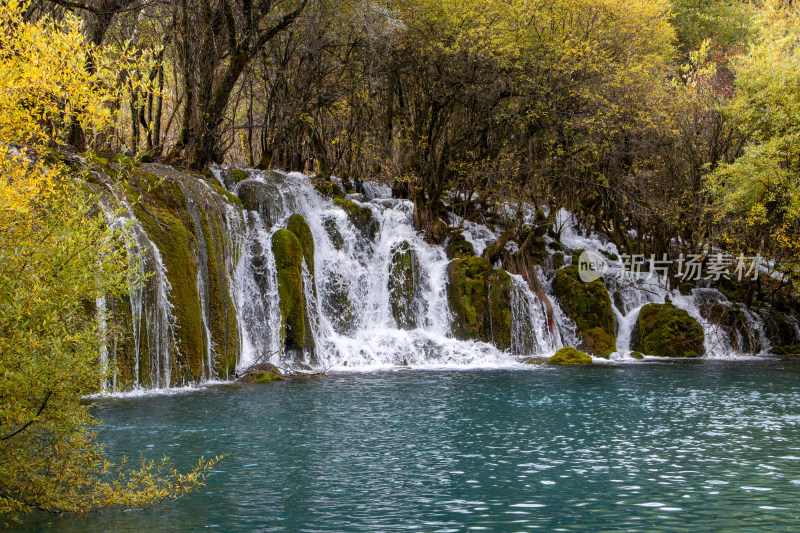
x=558, y=260
x=251, y=194
x=161, y=210
x=570, y=356
x=361, y=217
x=637, y=355
x=403, y=280
x=499, y=333
x=459, y=247
x=329, y=223
x=298, y=225
x=329, y=189
x=666, y=331
x=789, y=349
x=288, y=252
x=238, y=175
x=262, y=373
x=480, y=300
x=535, y=360
x=589, y=306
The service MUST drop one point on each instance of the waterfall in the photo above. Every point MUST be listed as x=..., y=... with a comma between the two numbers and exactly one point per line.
x=375, y=293
x=530, y=333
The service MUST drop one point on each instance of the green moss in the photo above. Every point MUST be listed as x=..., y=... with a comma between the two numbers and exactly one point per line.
x=570, y=356
x=237, y=175
x=333, y=233
x=558, y=260
x=789, y=349
x=666, y=331
x=555, y=245
x=162, y=212
x=221, y=311
x=589, y=306
x=403, y=275
x=361, y=217
x=637, y=355
x=459, y=247
x=480, y=299
x=499, y=332
x=329, y=189
x=288, y=254
x=298, y=225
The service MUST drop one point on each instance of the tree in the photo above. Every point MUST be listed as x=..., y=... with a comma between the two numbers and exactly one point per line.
x=757, y=196
x=58, y=259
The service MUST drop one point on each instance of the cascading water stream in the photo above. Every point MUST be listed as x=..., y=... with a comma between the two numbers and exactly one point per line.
x=376, y=295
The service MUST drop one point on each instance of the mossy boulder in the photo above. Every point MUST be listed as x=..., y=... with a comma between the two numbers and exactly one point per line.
x=637, y=355
x=298, y=225
x=570, y=356
x=361, y=217
x=295, y=330
x=262, y=373
x=666, y=331
x=403, y=281
x=480, y=300
x=329, y=189
x=589, y=306
x=238, y=175
x=459, y=247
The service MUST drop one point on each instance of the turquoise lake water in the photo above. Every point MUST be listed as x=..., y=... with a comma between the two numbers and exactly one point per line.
x=700, y=446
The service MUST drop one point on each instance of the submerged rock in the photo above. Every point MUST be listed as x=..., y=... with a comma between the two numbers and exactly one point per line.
x=570, y=356
x=666, y=331
x=480, y=300
x=403, y=282
x=535, y=360
x=589, y=306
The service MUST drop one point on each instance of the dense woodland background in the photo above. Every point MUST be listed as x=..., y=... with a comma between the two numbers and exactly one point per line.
x=674, y=119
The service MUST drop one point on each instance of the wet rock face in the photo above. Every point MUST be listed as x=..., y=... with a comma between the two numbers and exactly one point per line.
x=361, y=217
x=480, y=299
x=403, y=282
x=589, y=306
x=666, y=331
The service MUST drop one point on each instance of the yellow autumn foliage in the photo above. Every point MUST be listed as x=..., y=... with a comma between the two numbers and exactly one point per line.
x=58, y=257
